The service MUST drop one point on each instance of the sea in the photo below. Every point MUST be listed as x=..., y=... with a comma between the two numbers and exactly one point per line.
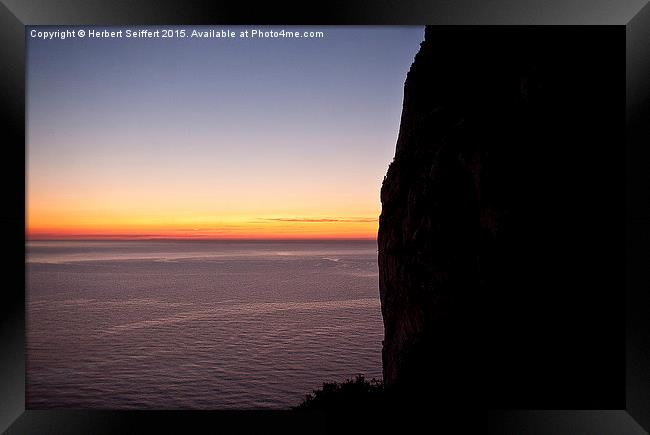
x=197, y=324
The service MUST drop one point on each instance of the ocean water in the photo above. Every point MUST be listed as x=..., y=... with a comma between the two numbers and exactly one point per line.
x=197, y=324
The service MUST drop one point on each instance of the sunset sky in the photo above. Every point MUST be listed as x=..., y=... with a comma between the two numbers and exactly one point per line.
x=213, y=138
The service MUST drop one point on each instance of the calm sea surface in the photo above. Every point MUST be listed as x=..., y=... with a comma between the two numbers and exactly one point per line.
x=198, y=324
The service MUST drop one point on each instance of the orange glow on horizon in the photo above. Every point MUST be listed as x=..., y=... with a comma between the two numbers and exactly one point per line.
x=156, y=213
x=184, y=208
x=272, y=228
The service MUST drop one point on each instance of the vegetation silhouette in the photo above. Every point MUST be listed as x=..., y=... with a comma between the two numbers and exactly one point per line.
x=350, y=394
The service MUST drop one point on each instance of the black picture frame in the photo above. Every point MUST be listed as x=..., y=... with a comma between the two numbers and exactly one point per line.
x=634, y=16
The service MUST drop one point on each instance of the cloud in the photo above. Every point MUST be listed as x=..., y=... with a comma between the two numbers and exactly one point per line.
x=320, y=220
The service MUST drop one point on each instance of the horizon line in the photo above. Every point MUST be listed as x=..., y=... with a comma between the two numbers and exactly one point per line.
x=224, y=239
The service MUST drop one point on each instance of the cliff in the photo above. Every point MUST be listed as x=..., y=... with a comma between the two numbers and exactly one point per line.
x=494, y=168
x=437, y=205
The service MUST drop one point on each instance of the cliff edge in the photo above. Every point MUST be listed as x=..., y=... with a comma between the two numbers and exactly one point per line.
x=496, y=165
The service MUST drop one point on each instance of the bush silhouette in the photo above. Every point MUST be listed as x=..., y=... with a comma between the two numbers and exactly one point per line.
x=349, y=395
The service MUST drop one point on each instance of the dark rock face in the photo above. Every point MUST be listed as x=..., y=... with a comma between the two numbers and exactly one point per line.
x=496, y=124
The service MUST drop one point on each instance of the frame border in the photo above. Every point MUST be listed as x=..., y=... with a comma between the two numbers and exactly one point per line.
x=634, y=14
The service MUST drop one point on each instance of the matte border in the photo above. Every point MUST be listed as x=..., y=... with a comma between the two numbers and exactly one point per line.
x=16, y=14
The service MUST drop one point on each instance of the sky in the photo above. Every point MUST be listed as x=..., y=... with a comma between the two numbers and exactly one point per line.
x=268, y=138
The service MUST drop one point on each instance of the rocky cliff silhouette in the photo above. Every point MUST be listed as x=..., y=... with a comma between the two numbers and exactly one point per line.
x=492, y=215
